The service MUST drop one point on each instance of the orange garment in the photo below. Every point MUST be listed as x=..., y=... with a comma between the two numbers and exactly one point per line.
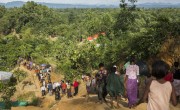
x=159, y=96
x=64, y=86
x=36, y=71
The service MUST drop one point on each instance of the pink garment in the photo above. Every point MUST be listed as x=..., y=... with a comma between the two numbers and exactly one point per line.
x=132, y=71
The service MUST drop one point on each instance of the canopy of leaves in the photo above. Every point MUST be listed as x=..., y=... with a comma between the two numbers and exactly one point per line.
x=29, y=31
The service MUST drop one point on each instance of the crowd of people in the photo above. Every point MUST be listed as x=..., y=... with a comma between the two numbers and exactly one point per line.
x=59, y=88
x=162, y=85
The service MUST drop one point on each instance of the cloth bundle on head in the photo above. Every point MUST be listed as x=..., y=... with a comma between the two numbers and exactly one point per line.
x=115, y=66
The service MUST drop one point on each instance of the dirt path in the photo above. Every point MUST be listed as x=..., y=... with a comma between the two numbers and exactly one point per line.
x=34, y=80
x=46, y=101
x=75, y=103
x=34, y=87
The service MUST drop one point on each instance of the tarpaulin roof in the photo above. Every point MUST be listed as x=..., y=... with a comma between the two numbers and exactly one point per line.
x=5, y=75
x=43, y=64
x=95, y=36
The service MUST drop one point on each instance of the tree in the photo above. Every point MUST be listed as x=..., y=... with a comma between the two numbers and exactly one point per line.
x=8, y=89
x=19, y=75
x=2, y=11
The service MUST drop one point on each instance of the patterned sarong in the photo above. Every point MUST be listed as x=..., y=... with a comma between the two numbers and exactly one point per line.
x=132, y=89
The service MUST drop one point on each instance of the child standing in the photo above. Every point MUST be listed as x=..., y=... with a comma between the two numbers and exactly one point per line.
x=159, y=92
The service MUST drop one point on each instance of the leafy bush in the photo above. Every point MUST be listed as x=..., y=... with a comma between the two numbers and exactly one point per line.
x=129, y=31
x=7, y=91
x=35, y=101
x=20, y=74
x=26, y=96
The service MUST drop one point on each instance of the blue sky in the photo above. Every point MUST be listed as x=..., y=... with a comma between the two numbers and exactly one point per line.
x=93, y=1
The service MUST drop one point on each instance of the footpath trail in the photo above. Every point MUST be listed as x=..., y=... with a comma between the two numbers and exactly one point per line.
x=76, y=103
x=46, y=101
x=22, y=88
x=33, y=79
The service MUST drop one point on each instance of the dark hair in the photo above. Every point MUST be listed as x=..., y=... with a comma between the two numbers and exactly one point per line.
x=148, y=75
x=122, y=71
x=88, y=74
x=101, y=65
x=159, y=69
x=176, y=64
x=132, y=59
x=113, y=69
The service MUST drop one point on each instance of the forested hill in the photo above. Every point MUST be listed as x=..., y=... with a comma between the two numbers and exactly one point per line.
x=53, y=5
x=28, y=31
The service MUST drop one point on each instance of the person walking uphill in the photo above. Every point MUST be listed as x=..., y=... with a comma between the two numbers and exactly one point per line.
x=159, y=92
x=76, y=85
x=101, y=83
x=131, y=83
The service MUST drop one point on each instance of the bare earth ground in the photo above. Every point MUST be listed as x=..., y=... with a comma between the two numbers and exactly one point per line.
x=75, y=103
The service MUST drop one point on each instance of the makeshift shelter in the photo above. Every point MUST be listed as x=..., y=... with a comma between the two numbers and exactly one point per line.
x=5, y=75
x=43, y=65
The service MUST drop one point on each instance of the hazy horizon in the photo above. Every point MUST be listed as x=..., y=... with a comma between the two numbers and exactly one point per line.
x=109, y=2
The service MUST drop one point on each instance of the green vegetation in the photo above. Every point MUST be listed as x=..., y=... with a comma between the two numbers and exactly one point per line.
x=20, y=75
x=26, y=96
x=7, y=90
x=28, y=32
x=35, y=101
